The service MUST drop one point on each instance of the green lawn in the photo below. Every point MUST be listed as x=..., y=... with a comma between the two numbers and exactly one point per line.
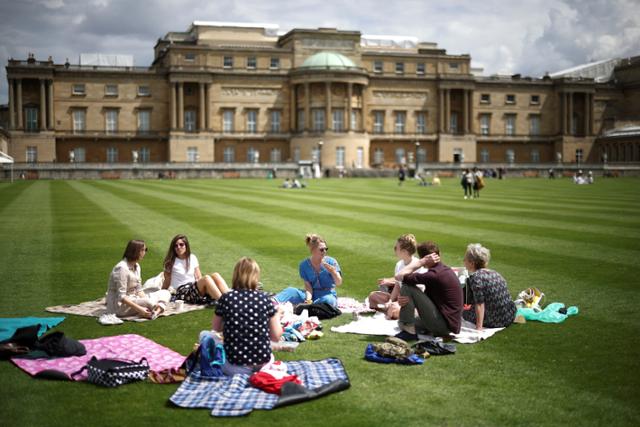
x=579, y=244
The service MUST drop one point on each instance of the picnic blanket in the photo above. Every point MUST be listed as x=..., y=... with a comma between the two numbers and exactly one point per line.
x=352, y=305
x=129, y=347
x=97, y=308
x=379, y=325
x=234, y=396
x=9, y=325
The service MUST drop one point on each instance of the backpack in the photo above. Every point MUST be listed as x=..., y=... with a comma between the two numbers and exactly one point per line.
x=322, y=310
x=113, y=372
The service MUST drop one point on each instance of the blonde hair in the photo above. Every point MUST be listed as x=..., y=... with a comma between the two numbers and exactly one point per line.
x=408, y=243
x=246, y=274
x=313, y=240
x=478, y=255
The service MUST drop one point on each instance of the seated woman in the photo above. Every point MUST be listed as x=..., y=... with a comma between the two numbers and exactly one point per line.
x=321, y=275
x=248, y=321
x=389, y=288
x=125, y=296
x=492, y=305
x=182, y=273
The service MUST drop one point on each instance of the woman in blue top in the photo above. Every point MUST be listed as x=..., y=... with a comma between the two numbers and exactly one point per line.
x=321, y=275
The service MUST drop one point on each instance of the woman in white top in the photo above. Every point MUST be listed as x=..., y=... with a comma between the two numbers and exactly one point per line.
x=182, y=273
x=385, y=299
x=125, y=296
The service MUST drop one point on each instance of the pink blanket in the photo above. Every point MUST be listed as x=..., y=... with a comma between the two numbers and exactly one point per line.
x=130, y=347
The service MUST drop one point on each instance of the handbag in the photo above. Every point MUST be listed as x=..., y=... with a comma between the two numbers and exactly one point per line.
x=114, y=372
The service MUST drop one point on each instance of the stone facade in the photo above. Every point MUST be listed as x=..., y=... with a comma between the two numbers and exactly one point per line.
x=239, y=94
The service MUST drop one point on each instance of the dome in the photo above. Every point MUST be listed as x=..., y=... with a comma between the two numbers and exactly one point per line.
x=328, y=60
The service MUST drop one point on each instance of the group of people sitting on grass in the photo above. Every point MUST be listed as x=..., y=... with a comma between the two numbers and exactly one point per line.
x=424, y=294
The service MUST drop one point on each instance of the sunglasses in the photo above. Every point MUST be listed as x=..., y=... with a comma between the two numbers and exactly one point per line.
x=180, y=245
x=324, y=249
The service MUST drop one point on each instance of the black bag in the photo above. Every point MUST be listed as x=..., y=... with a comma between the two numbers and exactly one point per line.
x=113, y=372
x=322, y=310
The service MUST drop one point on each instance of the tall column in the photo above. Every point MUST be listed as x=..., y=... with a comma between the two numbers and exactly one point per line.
x=174, y=123
x=293, y=112
x=591, y=118
x=307, y=107
x=441, y=110
x=207, y=112
x=563, y=115
x=571, y=113
x=19, y=103
x=447, y=111
x=587, y=113
x=50, y=114
x=202, y=115
x=181, y=105
x=465, y=111
x=43, y=106
x=327, y=106
x=349, y=105
x=12, y=106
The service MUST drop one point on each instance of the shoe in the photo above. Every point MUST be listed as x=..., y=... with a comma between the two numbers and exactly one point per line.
x=406, y=336
x=465, y=197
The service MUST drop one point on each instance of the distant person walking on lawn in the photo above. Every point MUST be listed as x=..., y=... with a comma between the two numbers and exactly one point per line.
x=125, y=296
x=402, y=175
x=478, y=182
x=182, y=274
x=439, y=305
x=467, y=183
x=492, y=306
x=321, y=275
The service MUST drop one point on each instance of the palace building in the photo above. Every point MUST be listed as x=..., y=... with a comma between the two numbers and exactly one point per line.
x=244, y=93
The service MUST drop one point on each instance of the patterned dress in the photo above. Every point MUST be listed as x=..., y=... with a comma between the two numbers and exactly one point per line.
x=489, y=287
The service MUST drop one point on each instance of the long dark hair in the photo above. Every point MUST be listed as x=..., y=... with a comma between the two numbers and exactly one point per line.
x=171, y=253
x=133, y=250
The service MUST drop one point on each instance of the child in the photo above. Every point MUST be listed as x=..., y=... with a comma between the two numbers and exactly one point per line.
x=248, y=321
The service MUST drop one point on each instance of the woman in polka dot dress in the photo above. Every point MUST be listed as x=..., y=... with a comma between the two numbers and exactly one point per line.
x=248, y=321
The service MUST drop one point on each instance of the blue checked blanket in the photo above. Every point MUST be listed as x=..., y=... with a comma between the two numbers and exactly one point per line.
x=235, y=396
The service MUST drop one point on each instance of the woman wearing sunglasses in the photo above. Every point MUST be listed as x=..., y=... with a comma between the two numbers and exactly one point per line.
x=182, y=274
x=321, y=275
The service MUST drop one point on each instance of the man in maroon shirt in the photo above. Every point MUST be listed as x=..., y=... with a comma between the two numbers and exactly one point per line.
x=439, y=306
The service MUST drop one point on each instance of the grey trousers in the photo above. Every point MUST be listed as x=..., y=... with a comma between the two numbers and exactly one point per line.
x=429, y=317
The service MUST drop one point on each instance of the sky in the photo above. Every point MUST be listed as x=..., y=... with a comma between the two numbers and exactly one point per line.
x=529, y=37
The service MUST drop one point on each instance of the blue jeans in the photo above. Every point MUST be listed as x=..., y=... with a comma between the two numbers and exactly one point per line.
x=297, y=296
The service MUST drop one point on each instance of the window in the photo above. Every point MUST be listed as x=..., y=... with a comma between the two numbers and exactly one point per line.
x=535, y=99
x=229, y=154
x=79, y=121
x=510, y=99
x=300, y=120
x=190, y=120
x=401, y=119
x=400, y=156
x=227, y=120
x=485, y=98
x=253, y=155
x=580, y=153
x=227, y=62
x=275, y=121
x=318, y=119
x=399, y=67
x=144, y=91
x=32, y=154
x=112, y=155
x=484, y=155
x=420, y=68
x=421, y=155
x=111, y=90
x=535, y=155
x=378, y=156
x=275, y=156
x=340, y=157
x=338, y=120
x=510, y=124
x=377, y=66
x=574, y=125
x=296, y=154
x=111, y=120
x=192, y=154
x=510, y=156
x=144, y=155
x=485, y=124
x=78, y=89
x=79, y=155
x=421, y=123
x=190, y=57
x=144, y=121
x=535, y=125
x=251, y=62
x=359, y=157
x=252, y=121
x=454, y=66
x=275, y=63
x=378, y=121
x=454, y=122
x=31, y=123
x=354, y=120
